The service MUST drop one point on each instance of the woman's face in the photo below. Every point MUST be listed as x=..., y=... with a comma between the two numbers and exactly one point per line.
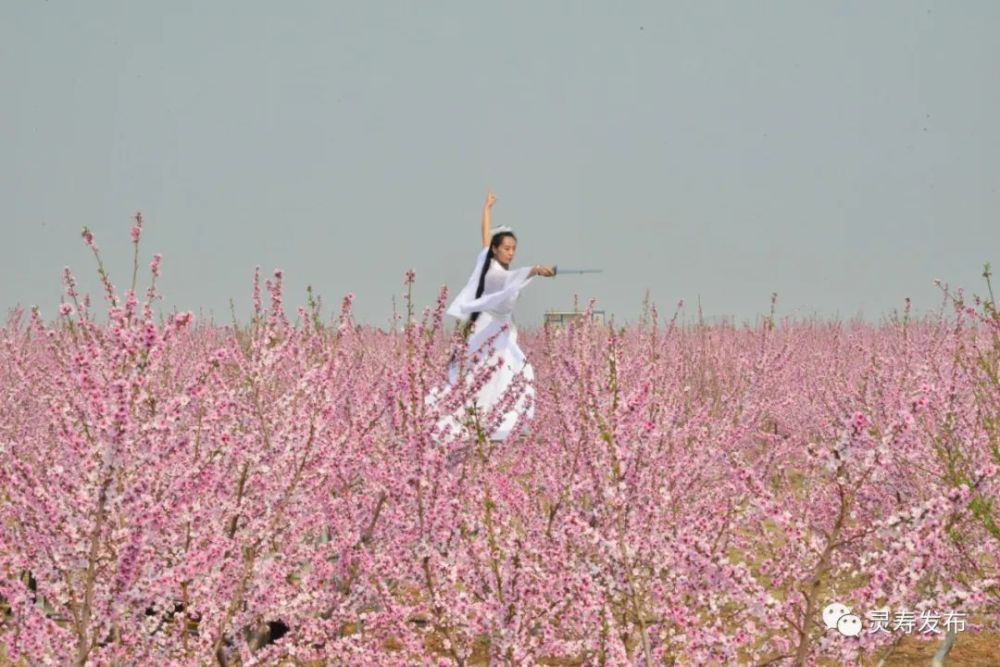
x=505, y=251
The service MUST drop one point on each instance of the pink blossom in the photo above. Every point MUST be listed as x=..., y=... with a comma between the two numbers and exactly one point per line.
x=279, y=472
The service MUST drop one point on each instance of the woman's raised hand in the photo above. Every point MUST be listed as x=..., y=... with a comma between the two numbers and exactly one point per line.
x=490, y=199
x=543, y=271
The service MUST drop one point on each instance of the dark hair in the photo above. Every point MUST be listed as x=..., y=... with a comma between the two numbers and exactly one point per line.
x=497, y=240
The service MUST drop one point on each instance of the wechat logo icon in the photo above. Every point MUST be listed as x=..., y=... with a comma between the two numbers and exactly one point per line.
x=839, y=617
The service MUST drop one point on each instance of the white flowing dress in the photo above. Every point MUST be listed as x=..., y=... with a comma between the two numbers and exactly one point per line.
x=496, y=308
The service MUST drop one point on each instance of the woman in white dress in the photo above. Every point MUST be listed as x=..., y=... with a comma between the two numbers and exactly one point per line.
x=486, y=304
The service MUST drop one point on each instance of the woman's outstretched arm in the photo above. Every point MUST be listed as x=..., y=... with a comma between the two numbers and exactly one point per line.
x=490, y=199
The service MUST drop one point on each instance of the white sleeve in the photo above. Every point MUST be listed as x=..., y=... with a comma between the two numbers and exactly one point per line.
x=518, y=277
x=501, y=301
x=468, y=293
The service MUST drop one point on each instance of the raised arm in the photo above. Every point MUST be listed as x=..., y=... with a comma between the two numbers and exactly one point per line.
x=490, y=199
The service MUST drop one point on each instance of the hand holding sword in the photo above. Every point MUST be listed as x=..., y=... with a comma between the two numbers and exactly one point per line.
x=552, y=271
x=539, y=270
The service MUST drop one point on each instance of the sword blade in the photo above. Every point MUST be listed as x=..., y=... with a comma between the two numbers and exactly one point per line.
x=558, y=270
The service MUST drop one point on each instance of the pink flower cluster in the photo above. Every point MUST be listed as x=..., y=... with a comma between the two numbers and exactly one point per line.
x=181, y=495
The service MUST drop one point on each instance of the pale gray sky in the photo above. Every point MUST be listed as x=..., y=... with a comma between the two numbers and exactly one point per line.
x=842, y=154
